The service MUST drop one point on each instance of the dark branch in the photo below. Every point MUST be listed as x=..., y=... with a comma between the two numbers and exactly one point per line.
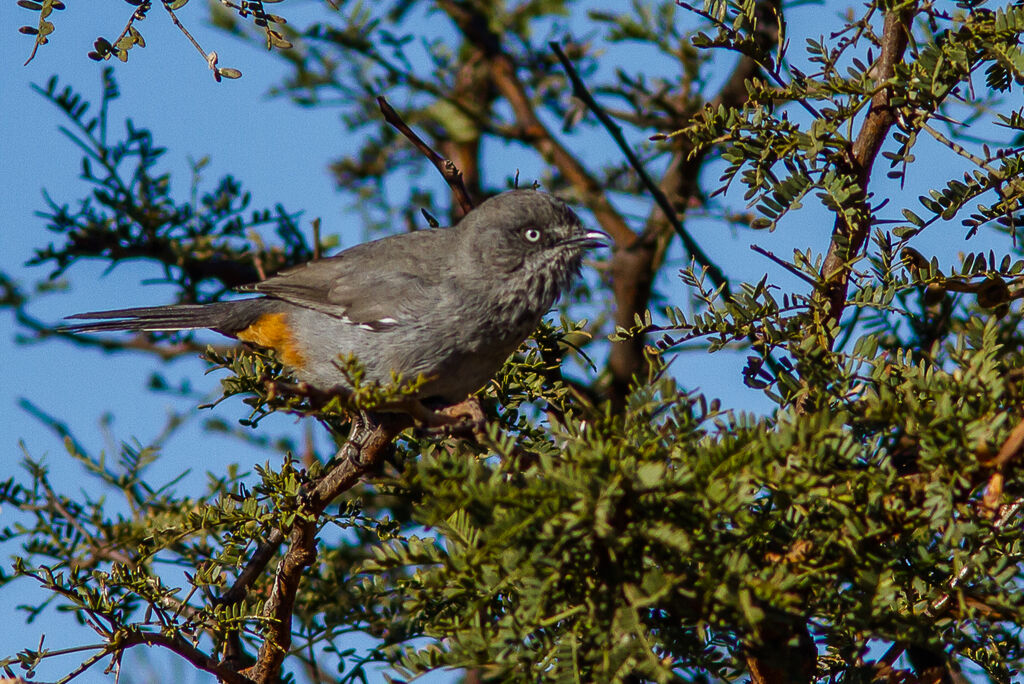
x=689, y=244
x=366, y=447
x=848, y=240
x=446, y=167
x=785, y=264
x=187, y=651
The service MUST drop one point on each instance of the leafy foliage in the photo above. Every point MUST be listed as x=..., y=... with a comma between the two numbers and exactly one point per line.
x=132, y=213
x=131, y=36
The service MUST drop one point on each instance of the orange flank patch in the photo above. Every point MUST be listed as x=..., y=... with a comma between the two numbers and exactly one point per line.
x=271, y=330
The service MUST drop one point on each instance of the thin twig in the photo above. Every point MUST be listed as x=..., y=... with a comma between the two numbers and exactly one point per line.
x=689, y=244
x=211, y=58
x=181, y=27
x=138, y=15
x=446, y=167
x=85, y=665
x=960, y=149
x=785, y=264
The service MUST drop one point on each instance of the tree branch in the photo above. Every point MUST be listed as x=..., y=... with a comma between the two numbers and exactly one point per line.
x=689, y=244
x=186, y=650
x=446, y=167
x=367, y=445
x=848, y=240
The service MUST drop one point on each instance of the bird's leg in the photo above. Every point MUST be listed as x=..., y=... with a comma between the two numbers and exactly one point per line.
x=466, y=416
x=468, y=410
x=362, y=426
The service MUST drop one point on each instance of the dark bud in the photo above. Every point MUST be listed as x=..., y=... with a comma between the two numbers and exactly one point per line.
x=993, y=292
x=933, y=294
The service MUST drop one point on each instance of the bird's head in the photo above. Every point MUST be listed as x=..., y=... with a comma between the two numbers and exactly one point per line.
x=526, y=233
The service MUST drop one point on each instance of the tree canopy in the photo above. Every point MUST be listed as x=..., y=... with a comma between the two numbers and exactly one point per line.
x=608, y=523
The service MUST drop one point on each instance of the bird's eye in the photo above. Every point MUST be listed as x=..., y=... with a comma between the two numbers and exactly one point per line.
x=531, y=234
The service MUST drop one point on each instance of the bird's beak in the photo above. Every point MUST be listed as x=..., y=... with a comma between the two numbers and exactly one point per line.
x=591, y=239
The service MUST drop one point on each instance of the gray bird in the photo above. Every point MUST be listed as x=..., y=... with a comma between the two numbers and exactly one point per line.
x=451, y=304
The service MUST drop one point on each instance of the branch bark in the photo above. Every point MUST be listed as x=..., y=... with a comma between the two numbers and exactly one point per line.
x=446, y=167
x=187, y=651
x=367, y=445
x=848, y=240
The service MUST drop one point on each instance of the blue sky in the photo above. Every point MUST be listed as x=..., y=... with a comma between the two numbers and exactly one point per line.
x=280, y=153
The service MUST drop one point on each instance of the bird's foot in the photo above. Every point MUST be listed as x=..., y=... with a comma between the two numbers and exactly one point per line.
x=359, y=433
x=466, y=417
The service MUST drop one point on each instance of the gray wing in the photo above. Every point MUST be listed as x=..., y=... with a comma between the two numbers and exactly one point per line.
x=376, y=284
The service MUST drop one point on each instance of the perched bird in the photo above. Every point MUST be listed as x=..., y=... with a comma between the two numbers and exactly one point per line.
x=451, y=304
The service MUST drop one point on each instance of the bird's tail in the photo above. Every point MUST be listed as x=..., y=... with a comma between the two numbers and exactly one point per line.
x=226, y=317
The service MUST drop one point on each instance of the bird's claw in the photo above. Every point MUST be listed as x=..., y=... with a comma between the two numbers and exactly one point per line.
x=466, y=417
x=353, y=448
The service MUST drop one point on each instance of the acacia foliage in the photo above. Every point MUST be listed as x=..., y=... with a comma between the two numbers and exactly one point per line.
x=656, y=535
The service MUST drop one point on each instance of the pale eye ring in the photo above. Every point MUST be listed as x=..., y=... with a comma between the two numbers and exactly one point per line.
x=532, y=234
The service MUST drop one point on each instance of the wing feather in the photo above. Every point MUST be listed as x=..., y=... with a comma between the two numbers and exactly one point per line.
x=376, y=284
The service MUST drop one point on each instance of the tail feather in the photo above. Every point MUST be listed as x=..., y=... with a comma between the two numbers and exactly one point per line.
x=226, y=317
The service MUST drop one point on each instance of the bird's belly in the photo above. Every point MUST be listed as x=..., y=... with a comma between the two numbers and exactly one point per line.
x=453, y=365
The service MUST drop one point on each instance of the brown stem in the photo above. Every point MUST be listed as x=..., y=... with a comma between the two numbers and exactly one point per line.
x=848, y=239
x=366, y=447
x=446, y=167
x=187, y=651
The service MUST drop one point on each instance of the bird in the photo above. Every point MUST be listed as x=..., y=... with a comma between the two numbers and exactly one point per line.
x=447, y=304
